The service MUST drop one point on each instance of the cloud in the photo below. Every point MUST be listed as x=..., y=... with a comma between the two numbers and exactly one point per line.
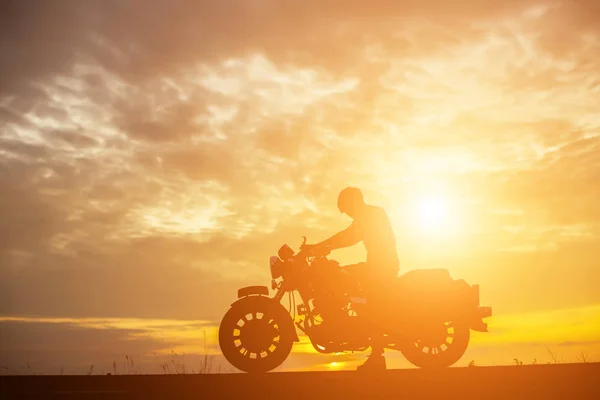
x=137, y=42
x=118, y=284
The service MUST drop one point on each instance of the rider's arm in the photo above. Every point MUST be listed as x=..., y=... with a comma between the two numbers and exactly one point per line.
x=346, y=238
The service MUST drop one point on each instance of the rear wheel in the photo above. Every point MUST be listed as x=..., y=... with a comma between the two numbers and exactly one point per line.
x=255, y=335
x=440, y=348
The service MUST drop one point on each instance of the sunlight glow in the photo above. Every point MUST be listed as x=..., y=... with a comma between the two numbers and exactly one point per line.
x=432, y=212
x=335, y=365
x=432, y=215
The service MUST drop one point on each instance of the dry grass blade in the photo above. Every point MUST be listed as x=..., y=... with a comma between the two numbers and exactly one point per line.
x=552, y=354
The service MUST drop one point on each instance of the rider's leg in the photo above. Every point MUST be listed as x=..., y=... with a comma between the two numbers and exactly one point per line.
x=377, y=341
x=366, y=275
x=376, y=360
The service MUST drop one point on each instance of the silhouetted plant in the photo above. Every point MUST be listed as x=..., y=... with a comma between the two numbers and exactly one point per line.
x=208, y=366
x=534, y=361
x=130, y=365
x=518, y=362
x=174, y=366
x=472, y=363
x=582, y=357
x=552, y=354
x=205, y=366
x=176, y=363
x=90, y=370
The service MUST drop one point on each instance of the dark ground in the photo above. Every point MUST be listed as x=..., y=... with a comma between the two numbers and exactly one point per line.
x=557, y=381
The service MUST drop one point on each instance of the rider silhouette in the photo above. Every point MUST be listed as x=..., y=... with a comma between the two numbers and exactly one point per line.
x=372, y=226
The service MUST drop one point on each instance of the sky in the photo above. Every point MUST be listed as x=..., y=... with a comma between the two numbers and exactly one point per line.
x=154, y=154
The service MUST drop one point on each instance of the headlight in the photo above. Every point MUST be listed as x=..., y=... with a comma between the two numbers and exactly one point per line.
x=276, y=266
x=285, y=252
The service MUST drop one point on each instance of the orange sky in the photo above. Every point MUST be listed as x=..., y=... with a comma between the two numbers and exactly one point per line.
x=153, y=156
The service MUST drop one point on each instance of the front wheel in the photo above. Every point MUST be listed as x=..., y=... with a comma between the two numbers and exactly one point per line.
x=440, y=348
x=256, y=334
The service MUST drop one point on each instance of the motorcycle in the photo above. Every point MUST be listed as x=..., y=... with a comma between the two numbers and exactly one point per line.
x=426, y=315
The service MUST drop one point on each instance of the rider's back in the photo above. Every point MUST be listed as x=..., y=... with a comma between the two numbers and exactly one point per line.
x=378, y=238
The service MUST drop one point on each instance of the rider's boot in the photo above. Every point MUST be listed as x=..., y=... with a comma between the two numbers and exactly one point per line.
x=375, y=362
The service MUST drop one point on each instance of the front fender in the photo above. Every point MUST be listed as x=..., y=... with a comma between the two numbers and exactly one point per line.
x=252, y=290
x=264, y=302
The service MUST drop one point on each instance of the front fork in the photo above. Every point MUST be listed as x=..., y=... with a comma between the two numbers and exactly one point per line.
x=281, y=291
x=280, y=287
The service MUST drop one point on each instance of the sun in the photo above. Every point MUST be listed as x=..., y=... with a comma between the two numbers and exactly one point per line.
x=335, y=365
x=432, y=214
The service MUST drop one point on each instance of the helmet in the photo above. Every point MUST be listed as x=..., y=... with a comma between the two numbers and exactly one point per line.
x=349, y=198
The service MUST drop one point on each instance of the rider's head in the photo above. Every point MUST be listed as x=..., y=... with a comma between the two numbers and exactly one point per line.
x=350, y=201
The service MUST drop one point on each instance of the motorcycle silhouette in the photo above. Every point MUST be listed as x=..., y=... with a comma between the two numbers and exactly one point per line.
x=427, y=316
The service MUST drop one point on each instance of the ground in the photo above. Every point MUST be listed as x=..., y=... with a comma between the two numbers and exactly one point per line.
x=555, y=381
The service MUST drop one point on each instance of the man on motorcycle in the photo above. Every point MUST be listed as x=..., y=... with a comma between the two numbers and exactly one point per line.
x=372, y=226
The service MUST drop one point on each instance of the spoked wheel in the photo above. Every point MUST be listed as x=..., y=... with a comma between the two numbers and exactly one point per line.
x=441, y=347
x=254, y=335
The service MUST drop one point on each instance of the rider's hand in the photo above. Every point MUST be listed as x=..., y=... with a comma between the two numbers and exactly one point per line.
x=314, y=249
x=307, y=247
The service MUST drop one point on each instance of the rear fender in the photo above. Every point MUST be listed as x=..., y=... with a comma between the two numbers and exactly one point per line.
x=257, y=295
x=466, y=308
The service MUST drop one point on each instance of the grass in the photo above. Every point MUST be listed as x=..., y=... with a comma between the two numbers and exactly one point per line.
x=176, y=365
x=581, y=358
